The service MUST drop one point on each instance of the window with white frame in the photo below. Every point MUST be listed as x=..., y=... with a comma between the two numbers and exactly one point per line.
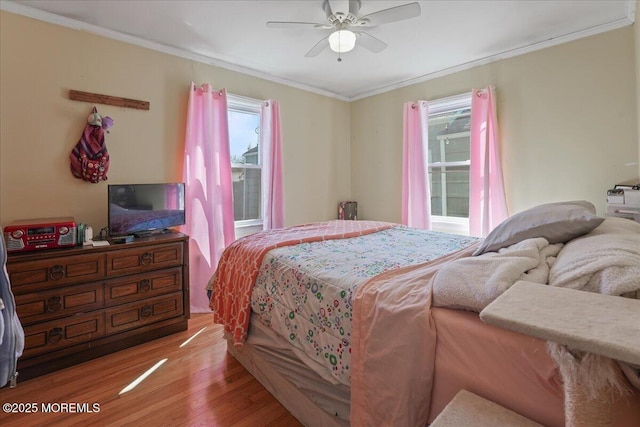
x=246, y=163
x=449, y=157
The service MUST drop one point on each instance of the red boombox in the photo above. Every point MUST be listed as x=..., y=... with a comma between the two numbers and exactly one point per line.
x=46, y=233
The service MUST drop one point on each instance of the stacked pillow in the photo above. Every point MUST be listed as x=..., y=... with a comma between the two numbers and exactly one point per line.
x=556, y=222
x=599, y=255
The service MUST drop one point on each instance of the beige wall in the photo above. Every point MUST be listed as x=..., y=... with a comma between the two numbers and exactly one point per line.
x=568, y=117
x=41, y=62
x=568, y=123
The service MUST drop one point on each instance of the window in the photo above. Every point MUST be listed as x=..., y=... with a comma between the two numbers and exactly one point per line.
x=246, y=163
x=449, y=157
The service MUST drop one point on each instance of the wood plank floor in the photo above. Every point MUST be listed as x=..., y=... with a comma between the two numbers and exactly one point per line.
x=198, y=385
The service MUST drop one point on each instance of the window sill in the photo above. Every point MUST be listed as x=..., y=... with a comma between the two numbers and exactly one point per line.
x=248, y=223
x=452, y=225
x=246, y=227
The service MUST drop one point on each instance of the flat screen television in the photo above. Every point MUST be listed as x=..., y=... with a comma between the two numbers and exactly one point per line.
x=144, y=209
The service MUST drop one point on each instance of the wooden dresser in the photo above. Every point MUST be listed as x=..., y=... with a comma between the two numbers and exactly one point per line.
x=79, y=303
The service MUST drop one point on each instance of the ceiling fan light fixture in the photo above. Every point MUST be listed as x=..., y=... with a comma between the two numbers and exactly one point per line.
x=342, y=41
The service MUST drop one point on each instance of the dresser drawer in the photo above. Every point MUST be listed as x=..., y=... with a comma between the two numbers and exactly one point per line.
x=60, y=271
x=61, y=333
x=82, y=302
x=140, y=313
x=136, y=260
x=60, y=302
x=141, y=286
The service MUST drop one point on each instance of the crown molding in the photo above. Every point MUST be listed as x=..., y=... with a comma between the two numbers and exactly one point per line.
x=613, y=25
x=30, y=12
x=169, y=50
x=631, y=10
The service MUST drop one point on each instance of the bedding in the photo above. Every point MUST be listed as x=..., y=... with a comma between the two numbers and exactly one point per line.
x=607, y=260
x=232, y=283
x=393, y=327
x=472, y=283
x=557, y=222
x=305, y=292
x=276, y=350
x=394, y=336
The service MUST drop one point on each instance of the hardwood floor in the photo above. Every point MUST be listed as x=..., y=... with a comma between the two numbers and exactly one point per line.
x=198, y=385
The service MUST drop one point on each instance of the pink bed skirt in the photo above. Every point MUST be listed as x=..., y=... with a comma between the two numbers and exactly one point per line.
x=513, y=370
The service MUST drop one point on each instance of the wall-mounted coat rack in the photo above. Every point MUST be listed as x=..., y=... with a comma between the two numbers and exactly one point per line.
x=96, y=98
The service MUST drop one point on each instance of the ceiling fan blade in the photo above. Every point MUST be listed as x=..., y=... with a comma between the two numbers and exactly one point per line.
x=326, y=6
x=354, y=7
x=392, y=14
x=319, y=47
x=284, y=24
x=371, y=43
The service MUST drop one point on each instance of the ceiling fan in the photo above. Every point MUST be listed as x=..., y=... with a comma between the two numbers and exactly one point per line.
x=345, y=27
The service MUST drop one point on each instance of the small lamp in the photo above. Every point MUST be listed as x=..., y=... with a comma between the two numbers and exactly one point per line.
x=342, y=41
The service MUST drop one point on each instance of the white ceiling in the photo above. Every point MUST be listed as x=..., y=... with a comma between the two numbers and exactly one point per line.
x=448, y=35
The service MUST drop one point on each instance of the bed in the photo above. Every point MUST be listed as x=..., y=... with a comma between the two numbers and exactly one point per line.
x=372, y=323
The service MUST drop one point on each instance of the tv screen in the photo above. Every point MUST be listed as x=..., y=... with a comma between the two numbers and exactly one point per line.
x=142, y=209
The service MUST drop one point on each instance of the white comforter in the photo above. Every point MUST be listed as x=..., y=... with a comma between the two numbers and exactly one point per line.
x=474, y=282
x=606, y=261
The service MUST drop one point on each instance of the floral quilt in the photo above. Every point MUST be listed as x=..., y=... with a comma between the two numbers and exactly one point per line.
x=232, y=283
x=305, y=292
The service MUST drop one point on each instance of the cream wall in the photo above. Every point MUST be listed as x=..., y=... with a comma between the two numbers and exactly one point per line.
x=568, y=119
x=39, y=125
x=568, y=123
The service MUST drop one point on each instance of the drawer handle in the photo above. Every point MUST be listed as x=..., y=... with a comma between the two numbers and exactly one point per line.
x=146, y=311
x=53, y=304
x=56, y=272
x=145, y=285
x=55, y=335
x=146, y=258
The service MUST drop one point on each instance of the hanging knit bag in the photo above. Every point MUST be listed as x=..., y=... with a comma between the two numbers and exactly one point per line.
x=89, y=157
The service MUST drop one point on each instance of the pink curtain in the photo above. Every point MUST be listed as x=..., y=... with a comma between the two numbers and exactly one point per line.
x=209, y=191
x=416, y=194
x=487, y=203
x=271, y=143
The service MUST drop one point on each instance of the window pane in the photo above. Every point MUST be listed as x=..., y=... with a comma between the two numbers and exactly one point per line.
x=246, y=193
x=458, y=192
x=452, y=183
x=449, y=136
x=435, y=179
x=244, y=137
x=457, y=149
x=449, y=141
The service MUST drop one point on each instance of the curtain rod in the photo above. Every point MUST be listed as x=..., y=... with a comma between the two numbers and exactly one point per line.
x=240, y=98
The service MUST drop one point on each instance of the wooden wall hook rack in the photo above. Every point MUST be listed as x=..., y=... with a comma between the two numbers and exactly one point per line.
x=96, y=98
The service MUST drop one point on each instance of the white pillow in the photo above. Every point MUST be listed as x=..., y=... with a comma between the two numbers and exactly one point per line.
x=556, y=222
